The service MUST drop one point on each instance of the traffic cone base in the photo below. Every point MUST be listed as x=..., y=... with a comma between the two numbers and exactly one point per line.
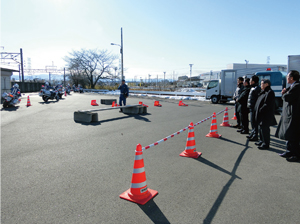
x=181, y=103
x=127, y=195
x=213, y=135
x=225, y=125
x=156, y=103
x=194, y=155
x=94, y=103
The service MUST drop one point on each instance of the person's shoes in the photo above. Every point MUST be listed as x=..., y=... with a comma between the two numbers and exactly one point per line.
x=261, y=147
x=286, y=155
x=240, y=130
x=253, y=139
x=236, y=126
x=293, y=159
x=120, y=111
x=244, y=132
x=259, y=143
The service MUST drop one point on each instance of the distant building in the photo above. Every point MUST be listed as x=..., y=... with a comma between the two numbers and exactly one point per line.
x=6, y=74
x=280, y=67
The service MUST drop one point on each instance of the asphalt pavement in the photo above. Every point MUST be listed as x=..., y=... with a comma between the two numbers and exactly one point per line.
x=54, y=170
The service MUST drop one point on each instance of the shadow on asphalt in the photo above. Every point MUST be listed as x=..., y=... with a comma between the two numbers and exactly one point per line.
x=138, y=117
x=228, y=140
x=154, y=213
x=211, y=214
x=213, y=165
x=10, y=108
x=49, y=102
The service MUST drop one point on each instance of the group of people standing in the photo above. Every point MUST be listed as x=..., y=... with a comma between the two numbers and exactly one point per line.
x=259, y=101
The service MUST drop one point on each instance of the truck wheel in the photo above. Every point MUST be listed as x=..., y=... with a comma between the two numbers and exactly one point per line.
x=214, y=99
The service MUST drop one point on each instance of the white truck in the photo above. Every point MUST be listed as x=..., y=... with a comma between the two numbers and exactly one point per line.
x=221, y=90
x=294, y=62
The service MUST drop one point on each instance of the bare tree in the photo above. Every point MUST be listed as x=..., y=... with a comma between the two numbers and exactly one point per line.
x=92, y=64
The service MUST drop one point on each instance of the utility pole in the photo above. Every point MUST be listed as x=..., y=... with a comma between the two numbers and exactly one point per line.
x=191, y=74
x=64, y=76
x=122, y=53
x=22, y=69
x=164, y=79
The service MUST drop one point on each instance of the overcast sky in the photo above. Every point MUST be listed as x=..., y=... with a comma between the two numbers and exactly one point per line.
x=158, y=35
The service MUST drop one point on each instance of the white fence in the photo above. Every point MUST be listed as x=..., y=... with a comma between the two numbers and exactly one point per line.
x=195, y=94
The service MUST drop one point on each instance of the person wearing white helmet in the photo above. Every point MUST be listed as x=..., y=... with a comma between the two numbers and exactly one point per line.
x=47, y=86
x=15, y=90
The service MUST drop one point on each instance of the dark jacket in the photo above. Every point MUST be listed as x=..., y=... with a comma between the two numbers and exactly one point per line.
x=265, y=107
x=289, y=124
x=124, y=90
x=236, y=95
x=253, y=95
x=243, y=99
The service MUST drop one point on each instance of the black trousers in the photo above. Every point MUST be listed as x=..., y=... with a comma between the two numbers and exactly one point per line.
x=244, y=119
x=264, y=134
x=237, y=114
x=293, y=147
x=254, y=125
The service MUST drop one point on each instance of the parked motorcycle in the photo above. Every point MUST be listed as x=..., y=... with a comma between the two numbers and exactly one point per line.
x=68, y=90
x=10, y=99
x=60, y=90
x=49, y=94
x=80, y=88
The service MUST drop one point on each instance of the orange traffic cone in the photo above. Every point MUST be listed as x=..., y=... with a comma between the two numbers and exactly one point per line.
x=181, y=103
x=139, y=191
x=94, y=103
x=65, y=93
x=234, y=117
x=190, y=148
x=113, y=104
x=213, y=133
x=156, y=103
x=28, y=102
x=225, y=119
x=141, y=103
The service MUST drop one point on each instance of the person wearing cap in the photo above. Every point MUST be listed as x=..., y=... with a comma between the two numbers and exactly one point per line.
x=242, y=100
x=265, y=113
x=289, y=124
x=124, y=92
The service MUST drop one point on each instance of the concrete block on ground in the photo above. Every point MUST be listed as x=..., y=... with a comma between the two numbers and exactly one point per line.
x=130, y=110
x=142, y=110
x=108, y=101
x=94, y=117
x=85, y=117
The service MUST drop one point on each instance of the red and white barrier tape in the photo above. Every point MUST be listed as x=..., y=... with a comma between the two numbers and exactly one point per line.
x=178, y=132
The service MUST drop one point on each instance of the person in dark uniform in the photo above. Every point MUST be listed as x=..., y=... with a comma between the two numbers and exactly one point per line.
x=289, y=124
x=236, y=94
x=123, y=93
x=252, y=98
x=243, y=100
x=264, y=113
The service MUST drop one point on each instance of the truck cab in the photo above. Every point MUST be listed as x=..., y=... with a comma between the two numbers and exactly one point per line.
x=213, y=90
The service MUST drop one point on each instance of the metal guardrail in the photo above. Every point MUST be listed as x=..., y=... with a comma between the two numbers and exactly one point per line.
x=195, y=94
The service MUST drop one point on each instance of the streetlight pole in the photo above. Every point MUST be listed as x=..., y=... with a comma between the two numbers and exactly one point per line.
x=121, y=52
x=191, y=74
x=246, y=63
